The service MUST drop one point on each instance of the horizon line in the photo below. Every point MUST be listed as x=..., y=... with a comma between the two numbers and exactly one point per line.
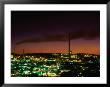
x=56, y=53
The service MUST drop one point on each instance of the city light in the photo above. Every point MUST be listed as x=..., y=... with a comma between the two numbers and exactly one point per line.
x=55, y=65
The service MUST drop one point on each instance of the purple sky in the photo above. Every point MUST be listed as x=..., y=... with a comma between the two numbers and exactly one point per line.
x=47, y=31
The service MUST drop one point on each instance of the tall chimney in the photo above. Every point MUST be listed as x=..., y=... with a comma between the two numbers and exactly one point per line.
x=14, y=53
x=23, y=53
x=69, y=44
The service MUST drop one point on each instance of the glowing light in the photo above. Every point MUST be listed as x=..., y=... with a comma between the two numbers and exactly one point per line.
x=26, y=72
x=83, y=69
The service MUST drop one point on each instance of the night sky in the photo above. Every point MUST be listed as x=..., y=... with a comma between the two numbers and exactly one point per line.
x=47, y=31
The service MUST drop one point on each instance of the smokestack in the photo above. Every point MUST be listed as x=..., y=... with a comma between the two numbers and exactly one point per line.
x=69, y=44
x=14, y=53
x=23, y=53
